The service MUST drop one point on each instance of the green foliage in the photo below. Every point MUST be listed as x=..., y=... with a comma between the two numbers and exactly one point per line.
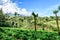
x=15, y=14
x=59, y=7
x=15, y=34
x=3, y=20
x=55, y=11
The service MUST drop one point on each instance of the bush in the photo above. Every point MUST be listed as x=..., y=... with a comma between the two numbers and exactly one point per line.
x=15, y=34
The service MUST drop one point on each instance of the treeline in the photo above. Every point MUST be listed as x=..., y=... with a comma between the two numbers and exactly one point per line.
x=19, y=21
x=22, y=21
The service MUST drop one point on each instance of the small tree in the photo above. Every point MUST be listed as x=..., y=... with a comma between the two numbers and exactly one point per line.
x=2, y=18
x=35, y=18
x=57, y=18
x=15, y=14
x=55, y=12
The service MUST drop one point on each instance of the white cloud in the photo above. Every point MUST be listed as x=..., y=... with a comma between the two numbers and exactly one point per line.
x=4, y=1
x=10, y=7
x=24, y=11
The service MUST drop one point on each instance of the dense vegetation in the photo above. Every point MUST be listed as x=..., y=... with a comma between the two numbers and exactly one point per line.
x=18, y=34
x=28, y=22
x=10, y=27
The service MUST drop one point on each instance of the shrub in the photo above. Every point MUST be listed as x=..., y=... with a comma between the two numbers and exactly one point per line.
x=15, y=34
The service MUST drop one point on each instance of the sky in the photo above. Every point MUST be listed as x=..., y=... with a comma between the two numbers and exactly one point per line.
x=26, y=7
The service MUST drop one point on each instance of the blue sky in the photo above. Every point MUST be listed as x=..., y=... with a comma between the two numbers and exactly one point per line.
x=42, y=7
x=39, y=6
x=32, y=4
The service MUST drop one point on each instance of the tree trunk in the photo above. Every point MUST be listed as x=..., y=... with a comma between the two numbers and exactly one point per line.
x=35, y=23
x=57, y=24
x=35, y=28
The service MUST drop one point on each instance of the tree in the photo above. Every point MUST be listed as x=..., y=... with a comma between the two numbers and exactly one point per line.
x=58, y=7
x=59, y=10
x=15, y=14
x=3, y=20
x=55, y=12
x=35, y=17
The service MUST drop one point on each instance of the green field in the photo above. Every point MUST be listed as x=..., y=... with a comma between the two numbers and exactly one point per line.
x=21, y=34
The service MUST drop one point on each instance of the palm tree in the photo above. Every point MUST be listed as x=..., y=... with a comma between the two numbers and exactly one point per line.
x=59, y=10
x=59, y=7
x=35, y=17
x=55, y=12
